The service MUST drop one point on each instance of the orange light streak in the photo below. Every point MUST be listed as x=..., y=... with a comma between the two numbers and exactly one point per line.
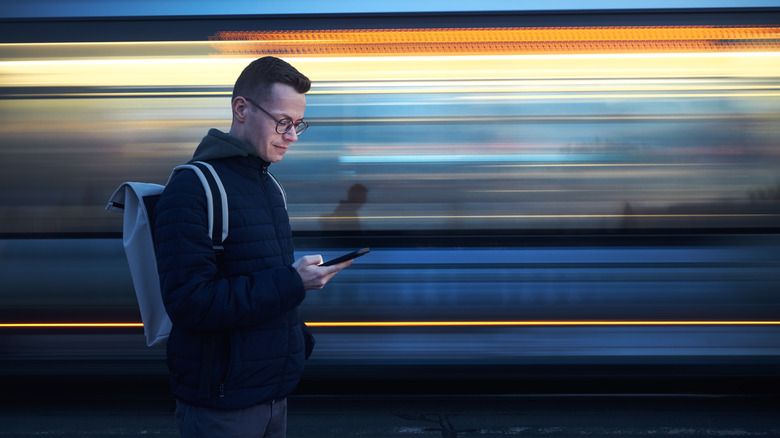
x=71, y=324
x=492, y=41
x=418, y=324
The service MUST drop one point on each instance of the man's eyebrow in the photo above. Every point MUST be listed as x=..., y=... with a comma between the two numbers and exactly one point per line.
x=287, y=116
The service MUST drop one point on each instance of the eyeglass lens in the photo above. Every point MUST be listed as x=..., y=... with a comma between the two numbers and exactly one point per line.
x=285, y=125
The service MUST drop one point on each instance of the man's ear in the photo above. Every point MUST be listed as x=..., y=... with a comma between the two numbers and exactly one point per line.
x=240, y=108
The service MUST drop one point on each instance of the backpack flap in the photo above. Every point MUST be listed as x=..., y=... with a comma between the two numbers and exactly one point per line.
x=117, y=200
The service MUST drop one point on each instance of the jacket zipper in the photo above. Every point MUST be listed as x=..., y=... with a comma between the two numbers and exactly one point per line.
x=279, y=240
x=270, y=204
x=221, y=388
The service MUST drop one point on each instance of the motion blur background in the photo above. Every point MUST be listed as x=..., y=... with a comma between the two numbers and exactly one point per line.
x=574, y=185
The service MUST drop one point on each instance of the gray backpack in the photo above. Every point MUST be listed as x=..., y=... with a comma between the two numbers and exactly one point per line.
x=137, y=201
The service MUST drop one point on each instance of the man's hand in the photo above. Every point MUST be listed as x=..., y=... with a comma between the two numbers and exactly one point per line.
x=313, y=275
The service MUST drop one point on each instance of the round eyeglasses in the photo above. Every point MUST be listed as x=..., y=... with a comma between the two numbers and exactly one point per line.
x=285, y=124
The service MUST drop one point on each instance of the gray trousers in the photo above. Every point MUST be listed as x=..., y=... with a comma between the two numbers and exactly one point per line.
x=268, y=420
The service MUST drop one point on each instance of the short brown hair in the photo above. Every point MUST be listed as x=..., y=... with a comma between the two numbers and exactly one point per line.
x=256, y=79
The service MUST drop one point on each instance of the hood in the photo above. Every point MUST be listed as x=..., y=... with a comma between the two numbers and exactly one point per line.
x=216, y=144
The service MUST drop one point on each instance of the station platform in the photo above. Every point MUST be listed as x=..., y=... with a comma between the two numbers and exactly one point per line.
x=81, y=408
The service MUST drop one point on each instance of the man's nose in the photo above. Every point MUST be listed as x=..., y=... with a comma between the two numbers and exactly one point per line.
x=291, y=135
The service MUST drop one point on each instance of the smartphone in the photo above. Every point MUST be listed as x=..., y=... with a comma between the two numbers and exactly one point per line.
x=349, y=256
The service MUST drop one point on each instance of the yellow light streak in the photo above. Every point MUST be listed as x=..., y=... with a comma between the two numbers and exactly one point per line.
x=428, y=324
x=221, y=72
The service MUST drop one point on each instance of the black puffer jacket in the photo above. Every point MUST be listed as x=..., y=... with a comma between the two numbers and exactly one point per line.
x=245, y=304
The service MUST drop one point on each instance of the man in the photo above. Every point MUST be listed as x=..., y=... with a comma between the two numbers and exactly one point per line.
x=237, y=346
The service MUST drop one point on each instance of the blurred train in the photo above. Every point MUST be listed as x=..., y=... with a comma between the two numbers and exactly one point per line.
x=546, y=195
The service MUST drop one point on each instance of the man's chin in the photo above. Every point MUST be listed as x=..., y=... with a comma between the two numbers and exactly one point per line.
x=273, y=158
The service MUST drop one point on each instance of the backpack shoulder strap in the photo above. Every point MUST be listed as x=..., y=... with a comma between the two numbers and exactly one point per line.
x=216, y=199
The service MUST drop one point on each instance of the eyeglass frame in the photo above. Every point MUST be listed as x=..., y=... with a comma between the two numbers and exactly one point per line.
x=279, y=122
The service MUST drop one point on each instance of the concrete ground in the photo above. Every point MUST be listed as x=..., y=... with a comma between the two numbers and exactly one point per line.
x=323, y=416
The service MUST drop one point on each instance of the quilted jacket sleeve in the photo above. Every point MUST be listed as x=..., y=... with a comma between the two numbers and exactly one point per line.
x=196, y=295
